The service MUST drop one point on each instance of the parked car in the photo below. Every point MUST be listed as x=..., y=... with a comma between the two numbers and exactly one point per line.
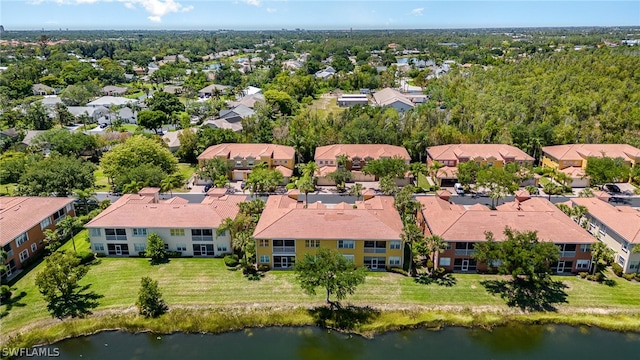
x=207, y=187
x=243, y=184
x=459, y=189
x=103, y=125
x=612, y=188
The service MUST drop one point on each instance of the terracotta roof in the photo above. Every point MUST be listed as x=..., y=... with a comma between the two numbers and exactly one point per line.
x=455, y=223
x=575, y=172
x=141, y=211
x=472, y=151
x=624, y=220
x=231, y=151
x=362, y=151
x=286, y=172
x=19, y=214
x=325, y=170
x=583, y=151
x=286, y=218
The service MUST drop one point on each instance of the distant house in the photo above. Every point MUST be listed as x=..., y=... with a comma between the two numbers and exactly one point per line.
x=325, y=73
x=51, y=101
x=172, y=89
x=243, y=157
x=29, y=136
x=114, y=90
x=240, y=111
x=41, y=89
x=251, y=90
x=211, y=90
x=94, y=112
x=109, y=101
x=23, y=221
x=394, y=99
x=172, y=138
x=222, y=123
x=248, y=101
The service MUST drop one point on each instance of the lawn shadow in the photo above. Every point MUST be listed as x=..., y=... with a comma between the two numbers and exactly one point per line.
x=528, y=295
x=11, y=302
x=78, y=304
x=345, y=318
x=445, y=279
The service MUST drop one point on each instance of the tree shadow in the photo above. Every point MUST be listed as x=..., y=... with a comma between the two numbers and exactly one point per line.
x=345, y=318
x=445, y=279
x=154, y=262
x=78, y=304
x=11, y=302
x=541, y=295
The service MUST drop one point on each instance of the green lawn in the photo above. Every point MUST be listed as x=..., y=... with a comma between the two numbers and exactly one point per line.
x=130, y=127
x=82, y=242
x=326, y=105
x=200, y=281
x=423, y=182
x=102, y=182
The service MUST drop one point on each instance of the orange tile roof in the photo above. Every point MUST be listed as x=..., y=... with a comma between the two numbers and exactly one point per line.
x=624, y=220
x=472, y=151
x=286, y=218
x=168, y=214
x=455, y=223
x=362, y=151
x=575, y=172
x=19, y=214
x=286, y=172
x=583, y=151
x=231, y=151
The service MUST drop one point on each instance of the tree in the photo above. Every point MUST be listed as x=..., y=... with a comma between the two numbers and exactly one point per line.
x=171, y=182
x=84, y=196
x=67, y=227
x=152, y=119
x=281, y=102
x=65, y=142
x=586, y=193
x=305, y=185
x=519, y=254
x=468, y=173
x=150, y=302
x=418, y=168
x=340, y=177
x=602, y=170
x=388, y=186
x=132, y=187
x=329, y=269
x=75, y=95
x=406, y=205
x=551, y=188
x=394, y=167
x=58, y=283
x=356, y=190
x=262, y=179
x=636, y=250
x=435, y=245
x=155, y=249
x=165, y=102
x=600, y=254
x=3, y=258
x=434, y=168
x=214, y=168
x=58, y=175
x=37, y=117
x=499, y=180
x=411, y=235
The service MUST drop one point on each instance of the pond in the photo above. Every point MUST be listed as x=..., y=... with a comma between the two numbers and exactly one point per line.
x=510, y=342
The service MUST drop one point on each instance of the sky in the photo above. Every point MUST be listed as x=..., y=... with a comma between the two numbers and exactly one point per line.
x=311, y=14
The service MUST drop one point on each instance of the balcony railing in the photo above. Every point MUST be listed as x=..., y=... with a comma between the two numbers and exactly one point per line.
x=465, y=252
x=284, y=249
x=567, y=254
x=370, y=250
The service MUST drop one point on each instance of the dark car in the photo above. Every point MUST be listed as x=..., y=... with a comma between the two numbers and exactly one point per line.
x=103, y=125
x=207, y=187
x=612, y=188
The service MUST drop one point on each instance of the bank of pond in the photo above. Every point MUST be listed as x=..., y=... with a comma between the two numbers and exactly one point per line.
x=514, y=341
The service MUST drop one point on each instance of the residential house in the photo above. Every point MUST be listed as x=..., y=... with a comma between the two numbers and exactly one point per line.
x=394, y=99
x=173, y=89
x=109, y=101
x=484, y=154
x=462, y=227
x=213, y=89
x=223, y=123
x=10, y=134
x=172, y=138
x=237, y=113
x=248, y=101
x=51, y=101
x=243, y=157
x=95, y=113
x=348, y=100
x=41, y=89
x=572, y=158
x=251, y=90
x=616, y=226
x=367, y=233
x=28, y=138
x=189, y=228
x=23, y=221
x=325, y=73
x=357, y=157
x=111, y=90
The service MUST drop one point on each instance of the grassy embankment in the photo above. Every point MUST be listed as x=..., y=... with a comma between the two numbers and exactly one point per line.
x=204, y=296
x=102, y=183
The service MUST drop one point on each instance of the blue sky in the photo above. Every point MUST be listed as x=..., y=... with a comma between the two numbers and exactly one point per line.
x=312, y=14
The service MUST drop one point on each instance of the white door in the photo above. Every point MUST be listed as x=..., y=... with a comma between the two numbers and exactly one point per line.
x=284, y=262
x=238, y=175
x=560, y=267
x=465, y=264
x=374, y=264
x=203, y=250
x=118, y=250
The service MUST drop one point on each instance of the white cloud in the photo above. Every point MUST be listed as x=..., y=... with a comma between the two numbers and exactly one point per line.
x=130, y=6
x=417, y=11
x=155, y=8
x=253, y=2
x=271, y=10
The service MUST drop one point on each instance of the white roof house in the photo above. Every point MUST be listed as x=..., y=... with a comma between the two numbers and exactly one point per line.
x=108, y=101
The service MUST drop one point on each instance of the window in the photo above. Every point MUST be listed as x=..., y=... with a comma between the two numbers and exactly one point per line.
x=34, y=248
x=621, y=260
x=394, y=244
x=346, y=244
x=238, y=163
x=45, y=223
x=58, y=215
x=139, y=247
x=349, y=257
x=222, y=248
x=94, y=232
x=264, y=243
x=602, y=230
x=181, y=247
x=69, y=207
x=24, y=255
x=447, y=246
x=264, y=259
x=115, y=234
x=249, y=162
x=201, y=234
x=139, y=232
x=585, y=247
x=634, y=266
x=98, y=247
x=583, y=264
x=356, y=163
x=176, y=232
x=394, y=260
x=625, y=246
x=445, y=261
x=21, y=239
x=312, y=243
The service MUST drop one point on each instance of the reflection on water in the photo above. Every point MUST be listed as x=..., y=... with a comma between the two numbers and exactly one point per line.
x=311, y=343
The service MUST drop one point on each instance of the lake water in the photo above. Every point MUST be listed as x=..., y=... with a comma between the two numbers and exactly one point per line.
x=512, y=342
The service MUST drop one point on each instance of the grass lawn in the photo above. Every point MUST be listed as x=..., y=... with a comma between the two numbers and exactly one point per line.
x=205, y=282
x=326, y=105
x=82, y=242
x=423, y=182
x=102, y=182
x=186, y=170
x=130, y=127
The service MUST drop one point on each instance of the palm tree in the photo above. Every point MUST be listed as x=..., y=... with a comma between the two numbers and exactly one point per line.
x=133, y=187
x=532, y=189
x=600, y=252
x=550, y=189
x=411, y=234
x=563, y=179
x=586, y=193
x=84, y=196
x=578, y=212
x=305, y=184
x=171, y=182
x=341, y=162
x=433, y=170
x=564, y=208
x=67, y=226
x=356, y=190
x=309, y=169
x=435, y=244
x=417, y=168
x=3, y=258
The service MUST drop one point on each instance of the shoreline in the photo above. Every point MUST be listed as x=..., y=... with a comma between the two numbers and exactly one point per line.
x=366, y=321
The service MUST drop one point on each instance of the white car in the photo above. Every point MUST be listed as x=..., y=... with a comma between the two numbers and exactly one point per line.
x=459, y=189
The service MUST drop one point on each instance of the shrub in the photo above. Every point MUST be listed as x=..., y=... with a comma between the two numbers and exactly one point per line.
x=101, y=255
x=628, y=277
x=617, y=269
x=85, y=257
x=231, y=260
x=174, y=254
x=584, y=274
x=398, y=271
x=5, y=293
x=637, y=276
x=264, y=268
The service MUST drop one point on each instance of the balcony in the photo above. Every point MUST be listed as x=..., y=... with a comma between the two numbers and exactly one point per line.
x=567, y=254
x=465, y=252
x=284, y=249
x=374, y=250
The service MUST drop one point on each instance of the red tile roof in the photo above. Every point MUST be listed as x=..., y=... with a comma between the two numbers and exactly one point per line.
x=472, y=151
x=624, y=220
x=231, y=151
x=19, y=214
x=583, y=151
x=362, y=151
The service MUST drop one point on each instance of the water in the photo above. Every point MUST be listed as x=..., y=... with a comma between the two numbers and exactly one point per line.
x=512, y=342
